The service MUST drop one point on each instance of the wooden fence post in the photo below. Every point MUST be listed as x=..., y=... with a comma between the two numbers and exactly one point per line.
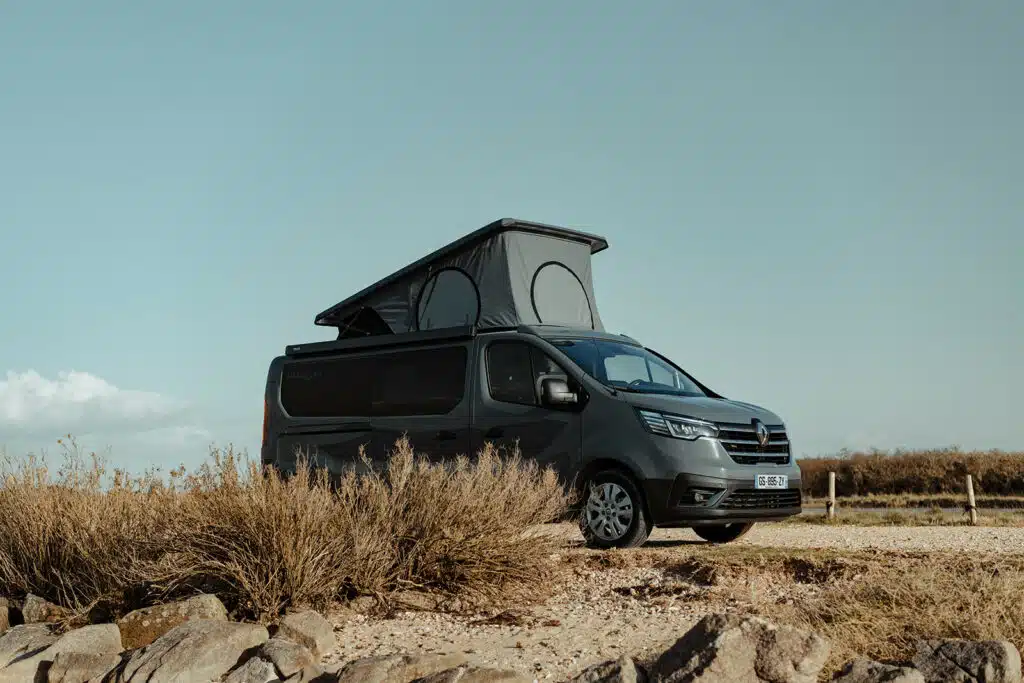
x=971, y=507
x=830, y=505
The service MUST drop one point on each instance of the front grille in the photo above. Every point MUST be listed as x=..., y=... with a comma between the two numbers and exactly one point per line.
x=740, y=442
x=749, y=499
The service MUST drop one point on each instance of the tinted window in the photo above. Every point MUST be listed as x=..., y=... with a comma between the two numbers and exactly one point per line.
x=416, y=382
x=513, y=369
x=337, y=387
x=420, y=382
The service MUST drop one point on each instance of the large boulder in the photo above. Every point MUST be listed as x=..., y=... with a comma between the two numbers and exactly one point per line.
x=864, y=670
x=621, y=670
x=729, y=647
x=197, y=650
x=396, y=668
x=36, y=610
x=143, y=626
x=24, y=641
x=966, y=661
x=309, y=629
x=101, y=639
x=79, y=667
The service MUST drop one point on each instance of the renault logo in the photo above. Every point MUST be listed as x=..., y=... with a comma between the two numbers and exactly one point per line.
x=762, y=433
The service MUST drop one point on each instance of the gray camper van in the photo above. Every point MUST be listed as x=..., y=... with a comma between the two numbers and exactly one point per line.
x=497, y=338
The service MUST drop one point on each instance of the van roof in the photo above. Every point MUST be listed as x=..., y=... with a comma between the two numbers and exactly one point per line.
x=500, y=271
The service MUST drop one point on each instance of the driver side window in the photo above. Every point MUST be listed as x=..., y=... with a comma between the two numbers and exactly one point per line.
x=514, y=369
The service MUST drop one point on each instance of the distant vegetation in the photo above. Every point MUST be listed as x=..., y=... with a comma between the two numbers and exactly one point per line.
x=995, y=473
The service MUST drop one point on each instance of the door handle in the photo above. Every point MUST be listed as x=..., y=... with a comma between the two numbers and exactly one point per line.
x=445, y=435
x=494, y=433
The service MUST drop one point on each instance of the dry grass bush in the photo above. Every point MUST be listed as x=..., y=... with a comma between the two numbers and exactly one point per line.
x=262, y=542
x=871, y=602
x=68, y=538
x=915, y=472
x=883, y=611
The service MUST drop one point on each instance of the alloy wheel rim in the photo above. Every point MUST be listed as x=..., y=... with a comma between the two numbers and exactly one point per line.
x=609, y=511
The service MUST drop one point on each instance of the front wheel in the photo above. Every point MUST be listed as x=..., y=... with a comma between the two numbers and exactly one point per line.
x=613, y=512
x=724, y=533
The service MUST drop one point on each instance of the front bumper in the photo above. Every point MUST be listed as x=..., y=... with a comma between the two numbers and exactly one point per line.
x=690, y=500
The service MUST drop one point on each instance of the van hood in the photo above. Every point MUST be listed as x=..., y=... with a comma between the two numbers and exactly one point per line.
x=704, y=408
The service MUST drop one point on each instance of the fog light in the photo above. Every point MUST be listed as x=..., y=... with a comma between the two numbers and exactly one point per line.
x=698, y=497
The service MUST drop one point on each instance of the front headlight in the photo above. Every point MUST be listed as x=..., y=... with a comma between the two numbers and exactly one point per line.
x=676, y=426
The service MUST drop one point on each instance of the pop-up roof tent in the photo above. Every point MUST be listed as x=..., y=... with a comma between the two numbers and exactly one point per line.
x=505, y=274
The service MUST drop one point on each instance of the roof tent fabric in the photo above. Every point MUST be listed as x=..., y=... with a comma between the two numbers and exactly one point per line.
x=505, y=274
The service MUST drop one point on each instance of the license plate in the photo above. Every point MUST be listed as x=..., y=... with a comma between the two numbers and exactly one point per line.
x=771, y=481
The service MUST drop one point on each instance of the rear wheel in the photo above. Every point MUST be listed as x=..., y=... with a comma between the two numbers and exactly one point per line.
x=724, y=533
x=612, y=514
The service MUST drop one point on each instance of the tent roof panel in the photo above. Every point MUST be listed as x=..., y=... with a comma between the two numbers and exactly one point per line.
x=333, y=316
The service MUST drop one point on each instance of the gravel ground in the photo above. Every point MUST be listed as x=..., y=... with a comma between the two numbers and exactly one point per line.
x=636, y=611
x=960, y=539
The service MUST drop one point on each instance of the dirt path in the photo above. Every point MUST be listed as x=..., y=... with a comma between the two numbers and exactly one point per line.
x=636, y=611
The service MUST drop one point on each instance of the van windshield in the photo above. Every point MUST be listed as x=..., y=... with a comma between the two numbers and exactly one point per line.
x=627, y=367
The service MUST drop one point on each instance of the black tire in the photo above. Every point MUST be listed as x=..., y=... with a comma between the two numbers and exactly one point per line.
x=723, y=533
x=625, y=494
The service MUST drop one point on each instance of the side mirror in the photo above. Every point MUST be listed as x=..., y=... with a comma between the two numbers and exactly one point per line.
x=555, y=391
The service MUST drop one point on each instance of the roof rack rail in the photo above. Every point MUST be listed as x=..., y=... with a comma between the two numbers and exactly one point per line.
x=382, y=341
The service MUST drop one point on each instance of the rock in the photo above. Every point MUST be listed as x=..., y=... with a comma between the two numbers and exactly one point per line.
x=864, y=670
x=310, y=630
x=143, y=626
x=965, y=661
x=24, y=641
x=286, y=656
x=622, y=670
x=196, y=650
x=5, y=615
x=311, y=674
x=101, y=639
x=729, y=647
x=396, y=668
x=256, y=670
x=80, y=667
x=39, y=611
x=473, y=674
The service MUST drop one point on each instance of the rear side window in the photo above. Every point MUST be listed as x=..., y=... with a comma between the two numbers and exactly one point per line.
x=335, y=387
x=421, y=382
x=414, y=382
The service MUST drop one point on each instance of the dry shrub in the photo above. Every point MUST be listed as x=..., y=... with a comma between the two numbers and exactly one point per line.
x=915, y=472
x=66, y=537
x=870, y=602
x=895, y=602
x=262, y=542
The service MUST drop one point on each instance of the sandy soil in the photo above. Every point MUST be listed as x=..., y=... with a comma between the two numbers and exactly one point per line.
x=639, y=611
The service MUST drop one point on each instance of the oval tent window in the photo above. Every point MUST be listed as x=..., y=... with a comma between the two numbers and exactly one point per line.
x=449, y=299
x=559, y=297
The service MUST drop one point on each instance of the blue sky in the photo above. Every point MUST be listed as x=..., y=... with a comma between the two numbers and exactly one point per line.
x=813, y=206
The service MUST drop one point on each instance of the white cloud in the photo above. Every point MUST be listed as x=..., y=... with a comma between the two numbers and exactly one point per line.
x=79, y=403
